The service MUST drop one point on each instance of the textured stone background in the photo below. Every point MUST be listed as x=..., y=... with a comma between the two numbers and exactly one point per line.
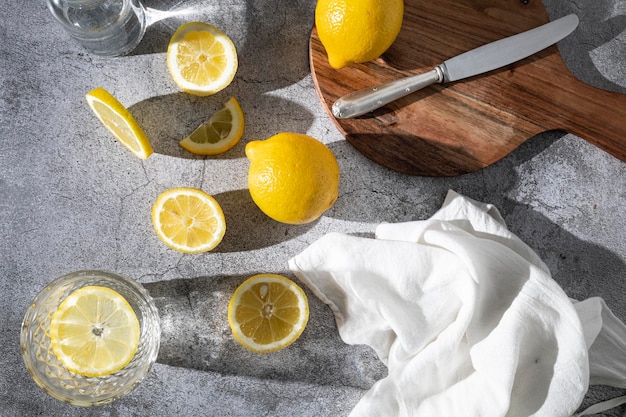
x=71, y=198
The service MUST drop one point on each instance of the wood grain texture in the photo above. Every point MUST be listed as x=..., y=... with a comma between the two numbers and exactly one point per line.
x=456, y=128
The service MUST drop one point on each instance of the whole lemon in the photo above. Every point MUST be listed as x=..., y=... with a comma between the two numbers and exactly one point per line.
x=293, y=177
x=355, y=31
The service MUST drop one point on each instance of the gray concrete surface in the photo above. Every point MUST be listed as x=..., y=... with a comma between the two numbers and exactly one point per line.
x=71, y=198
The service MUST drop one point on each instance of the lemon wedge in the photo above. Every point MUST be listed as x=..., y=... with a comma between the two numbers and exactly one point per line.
x=188, y=220
x=94, y=332
x=222, y=132
x=119, y=122
x=201, y=58
x=268, y=312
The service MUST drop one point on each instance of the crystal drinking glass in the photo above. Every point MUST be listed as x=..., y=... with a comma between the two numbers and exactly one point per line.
x=52, y=376
x=102, y=27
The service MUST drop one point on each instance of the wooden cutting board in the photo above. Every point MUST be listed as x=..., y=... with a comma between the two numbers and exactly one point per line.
x=456, y=128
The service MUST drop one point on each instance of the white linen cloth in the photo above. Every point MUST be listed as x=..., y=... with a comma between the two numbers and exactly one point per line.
x=466, y=317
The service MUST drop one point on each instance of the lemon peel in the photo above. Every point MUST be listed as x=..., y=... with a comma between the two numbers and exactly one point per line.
x=357, y=31
x=293, y=178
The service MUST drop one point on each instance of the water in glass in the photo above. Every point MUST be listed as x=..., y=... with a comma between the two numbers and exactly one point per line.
x=103, y=27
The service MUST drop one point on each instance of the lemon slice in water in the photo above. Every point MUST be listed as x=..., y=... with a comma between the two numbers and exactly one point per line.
x=94, y=332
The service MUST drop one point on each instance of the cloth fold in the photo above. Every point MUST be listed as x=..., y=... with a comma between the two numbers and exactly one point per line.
x=465, y=315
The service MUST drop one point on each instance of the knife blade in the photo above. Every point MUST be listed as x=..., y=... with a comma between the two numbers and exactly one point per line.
x=475, y=62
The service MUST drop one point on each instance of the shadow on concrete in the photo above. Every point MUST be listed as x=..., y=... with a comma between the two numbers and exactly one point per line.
x=282, y=34
x=597, y=27
x=369, y=184
x=280, y=31
x=248, y=228
x=196, y=334
x=170, y=118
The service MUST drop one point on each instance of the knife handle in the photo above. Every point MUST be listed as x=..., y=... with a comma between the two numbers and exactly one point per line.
x=369, y=99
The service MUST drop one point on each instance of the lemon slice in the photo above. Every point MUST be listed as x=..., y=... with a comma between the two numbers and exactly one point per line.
x=267, y=313
x=120, y=122
x=188, y=220
x=94, y=332
x=201, y=58
x=221, y=133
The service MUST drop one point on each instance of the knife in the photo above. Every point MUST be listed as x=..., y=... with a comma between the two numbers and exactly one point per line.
x=477, y=61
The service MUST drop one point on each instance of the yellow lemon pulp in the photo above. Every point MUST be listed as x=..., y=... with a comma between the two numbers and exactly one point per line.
x=221, y=133
x=268, y=312
x=119, y=122
x=201, y=58
x=355, y=31
x=94, y=331
x=188, y=220
x=293, y=178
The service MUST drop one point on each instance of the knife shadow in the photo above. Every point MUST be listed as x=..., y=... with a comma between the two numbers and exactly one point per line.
x=597, y=28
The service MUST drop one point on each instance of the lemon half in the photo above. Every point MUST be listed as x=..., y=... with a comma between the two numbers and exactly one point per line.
x=268, y=312
x=201, y=58
x=188, y=220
